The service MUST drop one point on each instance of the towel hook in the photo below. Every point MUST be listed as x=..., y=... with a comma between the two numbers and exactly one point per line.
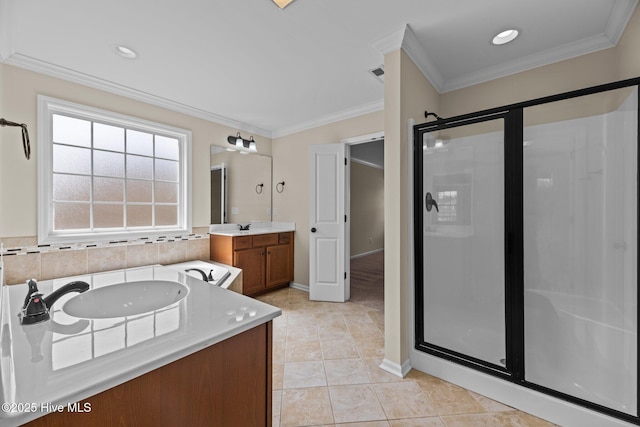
x=25, y=136
x=280, y=187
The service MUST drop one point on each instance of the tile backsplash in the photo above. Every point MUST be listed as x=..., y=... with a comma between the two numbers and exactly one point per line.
x=24, y=259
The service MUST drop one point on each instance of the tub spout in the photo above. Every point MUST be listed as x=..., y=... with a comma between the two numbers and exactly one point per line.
x=204, y=275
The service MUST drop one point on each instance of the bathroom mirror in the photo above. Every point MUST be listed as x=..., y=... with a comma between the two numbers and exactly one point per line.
x=240, y=187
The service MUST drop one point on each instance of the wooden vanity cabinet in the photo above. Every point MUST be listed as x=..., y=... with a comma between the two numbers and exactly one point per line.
x=226, y=384
x=266, y=260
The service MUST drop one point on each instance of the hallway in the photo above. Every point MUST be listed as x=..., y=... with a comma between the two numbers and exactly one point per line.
x=367, y=280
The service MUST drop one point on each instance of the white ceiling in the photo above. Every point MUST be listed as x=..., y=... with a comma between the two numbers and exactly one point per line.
x=254, y=67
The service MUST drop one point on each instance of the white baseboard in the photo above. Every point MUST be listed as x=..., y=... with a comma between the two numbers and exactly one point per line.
x=395, y=369
x=299, y=287
x=367, y=253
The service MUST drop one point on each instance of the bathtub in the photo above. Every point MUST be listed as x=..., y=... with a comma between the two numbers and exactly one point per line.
x=582, y=346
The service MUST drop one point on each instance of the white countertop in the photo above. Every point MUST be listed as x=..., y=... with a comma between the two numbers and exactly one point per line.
x=67, y=359
x=256, y=228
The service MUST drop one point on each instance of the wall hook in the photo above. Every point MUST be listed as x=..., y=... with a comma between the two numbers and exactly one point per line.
x=259, y=188
x=280, y=187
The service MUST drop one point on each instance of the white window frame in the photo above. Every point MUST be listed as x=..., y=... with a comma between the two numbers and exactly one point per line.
x=47, y=107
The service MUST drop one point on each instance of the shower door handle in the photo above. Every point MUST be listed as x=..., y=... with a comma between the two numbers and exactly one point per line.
x=430, y=202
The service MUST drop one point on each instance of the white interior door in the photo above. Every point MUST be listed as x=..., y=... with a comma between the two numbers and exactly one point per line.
x=327, y=222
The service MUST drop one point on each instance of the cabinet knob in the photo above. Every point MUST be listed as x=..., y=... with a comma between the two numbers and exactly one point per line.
x=313, y=230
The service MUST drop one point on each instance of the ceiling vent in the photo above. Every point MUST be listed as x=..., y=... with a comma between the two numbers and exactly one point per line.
x=378, y=73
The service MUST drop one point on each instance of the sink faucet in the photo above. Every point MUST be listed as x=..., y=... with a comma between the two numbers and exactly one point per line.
x=244, y=227
x=204, y=275
x=36, y=307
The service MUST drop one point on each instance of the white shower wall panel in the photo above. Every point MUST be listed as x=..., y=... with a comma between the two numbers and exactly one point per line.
x=580, y=256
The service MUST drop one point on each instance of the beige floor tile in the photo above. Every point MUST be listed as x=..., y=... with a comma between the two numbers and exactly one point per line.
x=366, y=424
x=310, y=392
x=301, y=333
x=370, y=347
x=355, y=403
x=376, y=373
x=345, y=371
x=449, y=399
x=418, y=422
x=301, y=351
x=403, y=399
x=329, y=317
x=333, y=331
x=305, y=407
x=353, y=318
x=277, y=376
x=339, y=348
x=278, y=353
x=495, y=419
x=303, y=374
x=276, y=406
x=301, y=319
x=490, y=405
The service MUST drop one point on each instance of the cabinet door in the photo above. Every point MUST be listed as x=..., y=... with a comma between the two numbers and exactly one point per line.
x=279, y=266
x=252, y=263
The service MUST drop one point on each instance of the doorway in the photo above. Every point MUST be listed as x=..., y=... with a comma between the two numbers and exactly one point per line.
x=366, y=231
x=331, y=218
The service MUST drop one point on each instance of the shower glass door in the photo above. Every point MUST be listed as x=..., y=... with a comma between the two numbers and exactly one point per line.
x=580, y=247
x=463, y=258
x=526, y=244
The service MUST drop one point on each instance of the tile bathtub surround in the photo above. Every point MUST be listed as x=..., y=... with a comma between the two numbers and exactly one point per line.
x=326, y=359
x=24, y=259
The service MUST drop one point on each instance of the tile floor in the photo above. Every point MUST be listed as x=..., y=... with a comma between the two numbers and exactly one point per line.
x=326, y=359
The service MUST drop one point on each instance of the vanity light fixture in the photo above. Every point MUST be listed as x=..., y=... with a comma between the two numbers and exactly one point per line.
x=242, y=145
x=124, y=51
x=505, y=36
x=282, y=3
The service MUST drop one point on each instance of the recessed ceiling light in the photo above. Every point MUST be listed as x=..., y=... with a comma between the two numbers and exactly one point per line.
x=505, y=37
x=124, y=51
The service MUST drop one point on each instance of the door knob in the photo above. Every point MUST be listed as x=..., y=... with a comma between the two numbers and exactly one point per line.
x=313, y=230
x=430, y=202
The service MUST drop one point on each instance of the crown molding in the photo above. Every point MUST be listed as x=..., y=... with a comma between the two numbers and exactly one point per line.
x=414, y=49
x=550, y=56
x=63, y=73
x=619, y=18
x=361, y=110
x=390, y=42
x=406, y=40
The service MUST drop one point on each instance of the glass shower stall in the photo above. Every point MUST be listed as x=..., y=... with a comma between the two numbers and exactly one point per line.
x=526, y=244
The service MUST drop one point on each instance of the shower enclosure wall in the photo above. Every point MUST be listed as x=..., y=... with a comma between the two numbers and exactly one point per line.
x=526, y=222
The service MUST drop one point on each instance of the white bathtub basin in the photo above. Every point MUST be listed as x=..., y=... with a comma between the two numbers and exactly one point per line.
x=220, y=273
x=125, y=299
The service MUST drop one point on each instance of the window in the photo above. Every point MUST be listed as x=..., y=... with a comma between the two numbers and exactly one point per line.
x=104, y=175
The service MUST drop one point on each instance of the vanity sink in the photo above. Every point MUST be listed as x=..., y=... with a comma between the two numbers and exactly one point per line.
x=125, y=299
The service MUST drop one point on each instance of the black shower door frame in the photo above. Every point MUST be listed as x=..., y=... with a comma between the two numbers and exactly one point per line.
x=514, y=370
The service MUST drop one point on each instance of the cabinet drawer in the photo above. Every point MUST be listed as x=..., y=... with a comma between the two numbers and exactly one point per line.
x=265, y=240
x=284, y=238
x=241, y=242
